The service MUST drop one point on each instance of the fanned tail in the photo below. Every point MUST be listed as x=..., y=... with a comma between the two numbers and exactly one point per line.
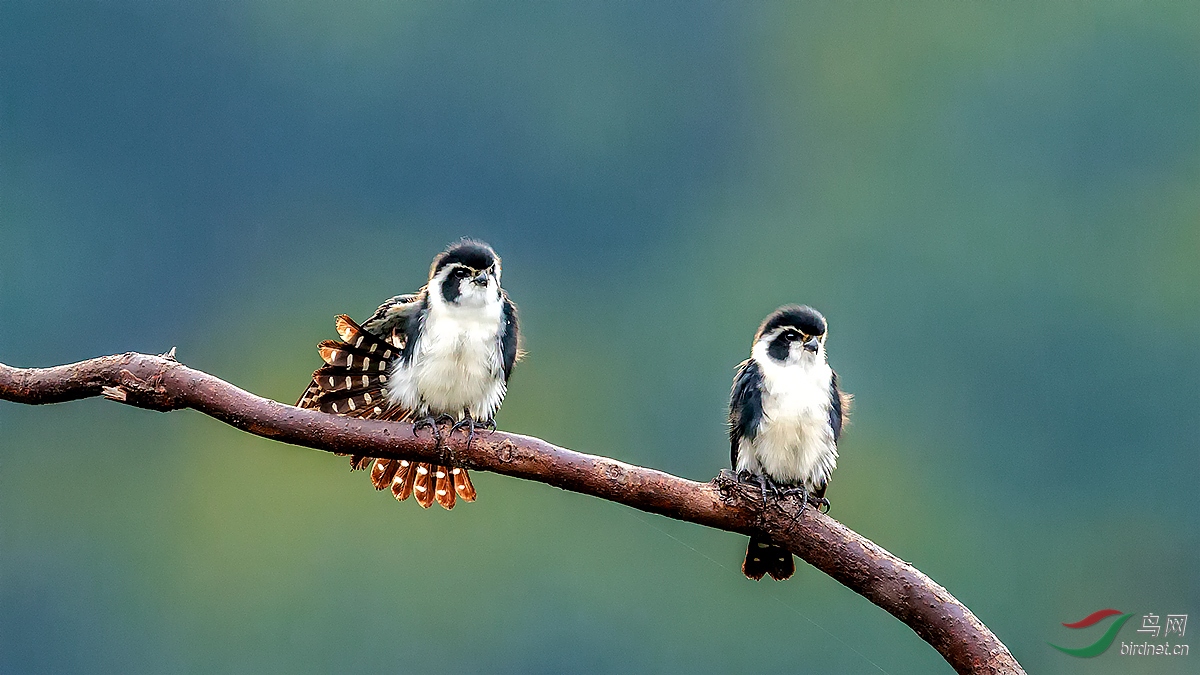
x=353, y=382
x=765, y=557
x=429, y=482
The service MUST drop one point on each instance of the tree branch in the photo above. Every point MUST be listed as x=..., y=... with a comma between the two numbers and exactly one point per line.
x=161, y=383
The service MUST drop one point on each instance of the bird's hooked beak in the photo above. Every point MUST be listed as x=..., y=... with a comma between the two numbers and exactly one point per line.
x=812, y=345
x=480, y=279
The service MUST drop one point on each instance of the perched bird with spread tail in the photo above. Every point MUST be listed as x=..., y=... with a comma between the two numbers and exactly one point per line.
x=441, y=355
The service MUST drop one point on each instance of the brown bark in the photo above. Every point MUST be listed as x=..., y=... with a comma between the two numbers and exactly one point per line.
x=161, y=383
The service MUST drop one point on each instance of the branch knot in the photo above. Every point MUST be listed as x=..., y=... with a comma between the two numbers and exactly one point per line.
x=150, y=393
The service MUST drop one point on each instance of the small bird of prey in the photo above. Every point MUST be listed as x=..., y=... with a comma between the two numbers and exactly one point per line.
x=785, y=416
x=442, y=354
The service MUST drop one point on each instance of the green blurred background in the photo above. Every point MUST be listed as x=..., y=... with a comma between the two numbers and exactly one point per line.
x=997, y=206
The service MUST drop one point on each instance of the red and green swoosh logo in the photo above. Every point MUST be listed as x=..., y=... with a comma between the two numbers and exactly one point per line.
x=1099, y=646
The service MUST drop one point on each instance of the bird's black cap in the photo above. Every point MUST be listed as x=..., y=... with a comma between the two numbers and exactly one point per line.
x=801, y=317
x=474, y=254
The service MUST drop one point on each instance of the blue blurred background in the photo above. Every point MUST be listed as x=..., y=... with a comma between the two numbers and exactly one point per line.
x=996, y=205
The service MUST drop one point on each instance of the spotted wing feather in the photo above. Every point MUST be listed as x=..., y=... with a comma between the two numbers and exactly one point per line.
x=353, y=382
x=443, y=487
x=402, y=484
x=423, y=484
x=383, y=471
x=462, y=484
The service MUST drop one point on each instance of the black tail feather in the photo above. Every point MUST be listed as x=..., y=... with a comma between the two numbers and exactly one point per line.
x=765, y=557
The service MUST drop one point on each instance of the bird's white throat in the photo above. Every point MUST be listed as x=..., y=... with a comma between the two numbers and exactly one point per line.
x=456, y=363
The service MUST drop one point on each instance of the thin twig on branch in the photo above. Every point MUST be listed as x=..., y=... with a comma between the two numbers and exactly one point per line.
x=161, y=383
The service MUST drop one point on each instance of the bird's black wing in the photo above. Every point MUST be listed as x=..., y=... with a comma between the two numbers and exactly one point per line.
x=509, y=337
x=745, y=406
x=839, y=407
x=391, y=320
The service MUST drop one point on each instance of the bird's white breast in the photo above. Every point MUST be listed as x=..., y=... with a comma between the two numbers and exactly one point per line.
x=794, y=442
x=456, y=364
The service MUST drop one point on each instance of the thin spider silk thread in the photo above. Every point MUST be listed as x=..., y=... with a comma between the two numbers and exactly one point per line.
x=774, y=597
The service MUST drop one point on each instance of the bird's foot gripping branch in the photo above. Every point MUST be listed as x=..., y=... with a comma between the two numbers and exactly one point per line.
x=161, y=383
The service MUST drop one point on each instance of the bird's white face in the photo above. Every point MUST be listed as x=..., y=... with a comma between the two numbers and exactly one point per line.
x=787, y=345
x=462, y=286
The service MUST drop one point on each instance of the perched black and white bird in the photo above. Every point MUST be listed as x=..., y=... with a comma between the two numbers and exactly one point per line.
x=785, y=417
x=442, y=354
